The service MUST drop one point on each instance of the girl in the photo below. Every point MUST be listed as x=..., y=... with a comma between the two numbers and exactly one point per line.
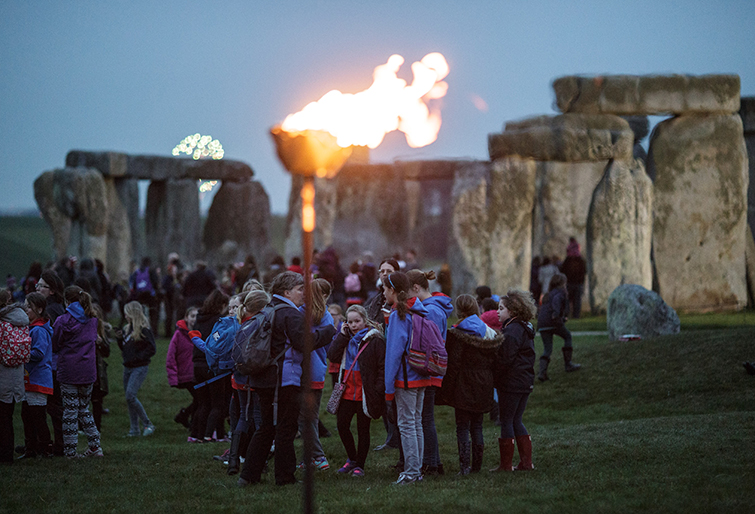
x=337, y=314
x=468, y=384
x=321, y=290
x=74, y=340
x=178, y=363
x=440, y=308
x=138, y=346
x=515, y=376
x=38, y=379
x=401, y=380
x=105, y=334
x=552, y=321
x=360, y=339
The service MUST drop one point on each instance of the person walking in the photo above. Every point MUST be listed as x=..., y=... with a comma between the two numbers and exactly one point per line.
x=552, y=321
x=575, y=269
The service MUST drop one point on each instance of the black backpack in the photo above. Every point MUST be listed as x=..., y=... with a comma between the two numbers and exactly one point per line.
x=251, y=349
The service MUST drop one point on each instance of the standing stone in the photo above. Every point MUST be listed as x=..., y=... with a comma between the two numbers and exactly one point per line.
x=747, y=113
x=491, y=232
x=119, y=251
x=127, y=190
x=562, y=202
x=632, y=309
x=701, y=180
x=172, y=220
x=239, y=214
x=619, y=232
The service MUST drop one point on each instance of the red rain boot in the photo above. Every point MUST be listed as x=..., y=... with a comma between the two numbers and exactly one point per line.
x=524, y=442
x=506, y=448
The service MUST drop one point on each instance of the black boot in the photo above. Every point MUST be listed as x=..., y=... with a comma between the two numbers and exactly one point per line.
x=183, y=418
x=477, y=451
x=543, y=375
x=233, y=457
x=464, y=450
x=568, y=364
x=749, y=368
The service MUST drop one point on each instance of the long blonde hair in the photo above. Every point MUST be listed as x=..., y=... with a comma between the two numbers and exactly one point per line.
x=321, y=290
x=134, y=312
x=254, y=301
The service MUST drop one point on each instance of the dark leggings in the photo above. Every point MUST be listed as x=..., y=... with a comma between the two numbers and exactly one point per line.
x=468, y=423
x=36, y=432
x=6, y=432
x=511, y=408
x=346, y=411
x=202, y=399
x=547, y=335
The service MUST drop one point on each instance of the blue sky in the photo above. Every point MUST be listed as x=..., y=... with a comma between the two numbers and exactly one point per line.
x=138, y=76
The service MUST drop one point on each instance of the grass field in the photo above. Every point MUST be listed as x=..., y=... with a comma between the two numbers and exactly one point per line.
x=654, y=426
x=23, y=239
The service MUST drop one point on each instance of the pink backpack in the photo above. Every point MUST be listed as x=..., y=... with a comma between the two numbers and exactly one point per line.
x=352, y=284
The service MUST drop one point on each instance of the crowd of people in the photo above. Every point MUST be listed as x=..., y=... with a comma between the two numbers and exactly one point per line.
x=55, y=338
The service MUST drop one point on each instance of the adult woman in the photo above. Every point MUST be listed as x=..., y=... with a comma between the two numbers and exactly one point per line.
x=515, y=376
x=402, y=381
x=138, y=347
x=74, y=340
x=440, y=308
x=552, y=321
x=468, y=384
x=15, y=345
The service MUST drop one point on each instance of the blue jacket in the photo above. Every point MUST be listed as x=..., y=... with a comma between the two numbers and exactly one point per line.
x=397, y=340
x=226, y=363
x=38, y=376
x=473, y=325
x=318, y=363
x=439, y=307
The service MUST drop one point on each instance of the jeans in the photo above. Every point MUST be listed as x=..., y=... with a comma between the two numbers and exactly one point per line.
x=347, y=409
x=511, y=408
x=75, y=413
x=317, y=451
x=468, y=423
x=547, y=335
x=431, y=455
x=133, y=378
x=409, y=410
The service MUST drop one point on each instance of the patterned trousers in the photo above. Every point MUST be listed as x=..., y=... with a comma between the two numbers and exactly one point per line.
x=75, y=401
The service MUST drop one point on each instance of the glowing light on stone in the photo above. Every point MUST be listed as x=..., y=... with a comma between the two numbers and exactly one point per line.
x=200, y=147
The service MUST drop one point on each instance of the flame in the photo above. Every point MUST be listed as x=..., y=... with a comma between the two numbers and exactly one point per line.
x=389, y=104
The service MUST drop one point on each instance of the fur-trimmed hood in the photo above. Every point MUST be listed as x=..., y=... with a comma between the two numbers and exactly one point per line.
x=475, y=341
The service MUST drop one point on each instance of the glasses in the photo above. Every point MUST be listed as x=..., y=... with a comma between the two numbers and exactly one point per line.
x=41, y=286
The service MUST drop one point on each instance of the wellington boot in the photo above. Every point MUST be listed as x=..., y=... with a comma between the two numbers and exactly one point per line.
x=464, y=450
x=524, y=443
x=234, y=463
x=506, y=449
x=477, y=451
x=543, y=375
x=568, y=364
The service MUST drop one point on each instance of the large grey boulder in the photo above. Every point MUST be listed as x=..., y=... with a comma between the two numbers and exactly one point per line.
x=632, y=309
x=567, y=137
x=491, y=231
x=619, y=232
x=172, y=220
x=239, y=214
x=701, y=179
x=747, y=113
x=648, y=94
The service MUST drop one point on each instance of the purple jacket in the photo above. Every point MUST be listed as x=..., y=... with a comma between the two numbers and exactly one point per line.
x=178, y=363
x=73, y=340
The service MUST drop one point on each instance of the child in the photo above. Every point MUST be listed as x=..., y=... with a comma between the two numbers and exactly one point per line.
x=515, y=376
x=138, y=346
x=179, y=365
x=468, y=384
x=552, y=321
x=337, y=313
x=37, y=379
x=360, y=348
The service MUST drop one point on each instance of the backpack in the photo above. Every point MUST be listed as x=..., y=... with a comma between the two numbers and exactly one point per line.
x=251, y=348
x=352, y=284
x=219, y=345
x=427, y=350
x=142, y=282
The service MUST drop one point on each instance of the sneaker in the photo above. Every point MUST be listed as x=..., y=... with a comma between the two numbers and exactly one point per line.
x=347, y=468
x=193, y=440
x=406, y=479
x=357, y=472
x=148, y=430
x=94, y=453
x=321, y=464
x=224, y=456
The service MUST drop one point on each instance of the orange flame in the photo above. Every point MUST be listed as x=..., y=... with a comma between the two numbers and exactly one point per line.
x=389, y=104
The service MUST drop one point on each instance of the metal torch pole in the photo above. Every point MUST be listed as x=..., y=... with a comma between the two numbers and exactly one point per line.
x=308, y=225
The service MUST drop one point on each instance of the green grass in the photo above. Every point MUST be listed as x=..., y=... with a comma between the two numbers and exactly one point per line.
x=665, y=426
x=712, y=320
x=23, y=239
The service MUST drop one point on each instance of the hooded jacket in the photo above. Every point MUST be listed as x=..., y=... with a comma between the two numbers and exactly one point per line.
x=178, y=363
x=553, y=310
x=15, y=341
x=398, y=337
x=138, y=353
x=38, y=376
x=291, y=370
x=318, y=359
x=367, y=380
x=74, y=337
x=468, y=383
x=439, y=308
x=515, y=362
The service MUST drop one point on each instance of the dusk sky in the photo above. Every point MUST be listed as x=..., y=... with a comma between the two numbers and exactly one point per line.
x=139, y=76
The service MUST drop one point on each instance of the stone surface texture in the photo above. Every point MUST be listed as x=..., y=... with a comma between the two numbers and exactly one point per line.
x=701, y=180
x=750, y=265
x=172, y=220
x=648, y=94
x=747, y=113
x=119, y=244
x=619, y=232
x=567, y=137
x=491, y=231
x=239, y=214
x=632, y=309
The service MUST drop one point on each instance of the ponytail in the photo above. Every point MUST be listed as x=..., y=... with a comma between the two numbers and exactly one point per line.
x=76, y=294
x=420, y=278
x=399, y=282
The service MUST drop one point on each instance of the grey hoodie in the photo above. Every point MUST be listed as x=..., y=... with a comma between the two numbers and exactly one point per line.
x=15, y=315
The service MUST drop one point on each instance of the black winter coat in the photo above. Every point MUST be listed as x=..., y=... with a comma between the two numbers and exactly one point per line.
x=468, y=383
x=515, y=363
x=553, y=310
x=138, y=353
x=371, y=367
x=204, y=325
